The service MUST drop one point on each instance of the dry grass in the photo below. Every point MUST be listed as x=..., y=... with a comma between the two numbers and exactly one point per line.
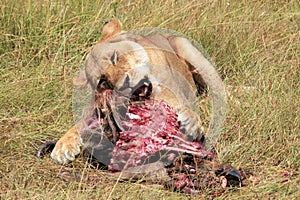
x=255, y=44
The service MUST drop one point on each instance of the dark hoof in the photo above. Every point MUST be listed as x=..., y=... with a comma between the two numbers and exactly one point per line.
x=45, y=148
x=233, y=176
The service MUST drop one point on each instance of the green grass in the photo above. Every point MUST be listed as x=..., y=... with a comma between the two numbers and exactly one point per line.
x=255, y=44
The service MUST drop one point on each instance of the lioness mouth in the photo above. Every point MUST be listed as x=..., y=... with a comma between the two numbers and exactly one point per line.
x=140, y=92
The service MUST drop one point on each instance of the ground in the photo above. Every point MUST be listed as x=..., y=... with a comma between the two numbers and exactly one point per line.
x=255, y=46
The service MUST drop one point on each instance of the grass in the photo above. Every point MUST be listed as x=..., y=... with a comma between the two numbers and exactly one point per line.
x=256, y=48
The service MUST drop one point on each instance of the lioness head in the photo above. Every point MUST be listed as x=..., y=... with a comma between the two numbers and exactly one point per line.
x=119, y=60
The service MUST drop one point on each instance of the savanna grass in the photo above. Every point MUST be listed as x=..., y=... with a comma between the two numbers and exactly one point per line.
x=254, y=44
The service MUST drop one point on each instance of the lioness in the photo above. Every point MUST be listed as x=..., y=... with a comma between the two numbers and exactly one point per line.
x=124, y=61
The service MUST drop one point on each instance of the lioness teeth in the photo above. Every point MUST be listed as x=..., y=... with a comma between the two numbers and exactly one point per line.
x=144, y=93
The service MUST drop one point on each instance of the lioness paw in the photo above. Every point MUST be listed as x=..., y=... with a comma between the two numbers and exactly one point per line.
x=67, y=147
x=190, y=123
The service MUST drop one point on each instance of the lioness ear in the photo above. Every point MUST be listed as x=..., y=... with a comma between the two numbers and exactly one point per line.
x=111, y=28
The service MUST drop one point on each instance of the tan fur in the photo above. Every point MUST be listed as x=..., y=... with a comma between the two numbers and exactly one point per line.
x=67, y=147
x=111, y=28
x=162, y=55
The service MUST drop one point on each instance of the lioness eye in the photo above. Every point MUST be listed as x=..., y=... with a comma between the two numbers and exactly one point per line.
x=113, y=58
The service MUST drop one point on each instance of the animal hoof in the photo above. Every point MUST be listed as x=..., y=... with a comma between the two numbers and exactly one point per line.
x=45, y=148
x=233, y=176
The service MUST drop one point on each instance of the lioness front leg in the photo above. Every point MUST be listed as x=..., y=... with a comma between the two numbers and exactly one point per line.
x=67, y=147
